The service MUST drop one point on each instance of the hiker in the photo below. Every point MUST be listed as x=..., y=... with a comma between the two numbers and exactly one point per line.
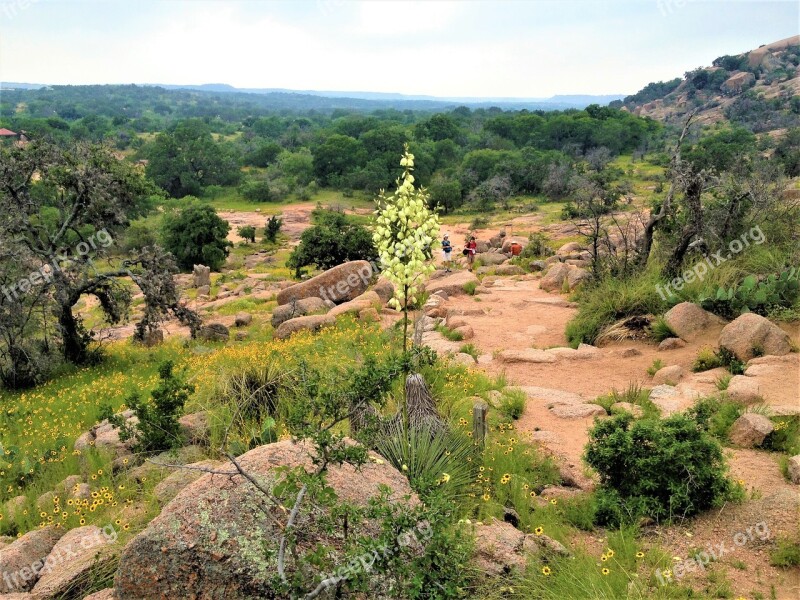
x=470, y=250
x=447, y=248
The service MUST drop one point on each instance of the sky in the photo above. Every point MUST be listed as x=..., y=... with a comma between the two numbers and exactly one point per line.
x=464, y=48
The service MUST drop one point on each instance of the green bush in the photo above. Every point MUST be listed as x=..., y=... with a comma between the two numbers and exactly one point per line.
x=659, y=330
x=658, y=469
x=751, y=295
x=470, y=287
x=257, y=190
x=333, y=239
x=197, y=235
x=272, y=228
x=708, y=359
x=716, y=416
x=450, y=334
x=158, y=428
x=248, y=233
x=512, y=403
x=785, y=555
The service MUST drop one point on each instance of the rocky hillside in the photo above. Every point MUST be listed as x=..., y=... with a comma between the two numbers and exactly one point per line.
x=759, y=90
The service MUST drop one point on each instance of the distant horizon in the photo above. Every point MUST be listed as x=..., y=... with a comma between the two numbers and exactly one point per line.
x=443, y=48
x=208, y=86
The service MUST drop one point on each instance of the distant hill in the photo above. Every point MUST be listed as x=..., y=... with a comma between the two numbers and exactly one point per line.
x=323, y=100
x=759, y=90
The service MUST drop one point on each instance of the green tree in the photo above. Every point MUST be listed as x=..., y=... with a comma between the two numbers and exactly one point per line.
x=197, y=235
x=247, y=233
x=337, y=156
x=445, y=193
x=332, y=240
x=186, y=158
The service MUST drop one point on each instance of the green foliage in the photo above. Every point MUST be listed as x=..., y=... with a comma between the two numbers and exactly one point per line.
x=633, y=394
x=659, y=469
x=716, y=416
x=785, y=555
x=185, y=159
x=512, y=403
x=158, y=428
x=196, y=235
x=434, y=462
x=657, y=365
x=272, y=228
x=258, y=190
x=450, y=334
x=248, y=233
x=659, y=330
x=754, y=295
x=537, y=247
x=708, y=359
x=470, y=287
x=333, y=239
x=470, y=349
x=785, y=438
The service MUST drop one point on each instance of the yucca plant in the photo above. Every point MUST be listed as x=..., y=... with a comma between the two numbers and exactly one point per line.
x=430, y=459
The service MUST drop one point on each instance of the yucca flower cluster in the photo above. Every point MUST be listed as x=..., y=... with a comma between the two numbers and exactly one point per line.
x=405, y=232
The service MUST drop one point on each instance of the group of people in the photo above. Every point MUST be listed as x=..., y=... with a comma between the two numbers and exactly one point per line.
x=470, y=249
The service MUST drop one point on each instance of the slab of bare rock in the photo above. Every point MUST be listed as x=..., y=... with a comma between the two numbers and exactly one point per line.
x=195, y=427
x=466, y=331
x=750, y=429
x=170, y=486
x=752, y=334
x=498, y=548
x=551, y=260
x=689, y=321
x=17, y=559
x=483, y=246
x=670, y=375
x=794, y=469
x=672, y=343
x=201, y=276
x=204, y=291
x=311, y=323
x=491, y=259
x=527, y=355
x=339, y=284
x=369, y=315
x=569, y=248
x=582, y=352
x=576, y=277
x=243, y=319
x=214, y=540
x=72, y=558
x=427, y=323
x=300, y=308
x=552, y=396
x=213, y=332
x=453, y=321
x=629, y=352
x=509, y=270
x=368, y=299
x=559, y=492
x=577, y=411
x=384, y=288
x=464, y=359
x=452, y=283
x=554, y=278
x=744, y=389
x=666, y=397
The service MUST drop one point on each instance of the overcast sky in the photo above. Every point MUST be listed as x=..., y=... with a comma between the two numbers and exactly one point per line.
x=522, y=48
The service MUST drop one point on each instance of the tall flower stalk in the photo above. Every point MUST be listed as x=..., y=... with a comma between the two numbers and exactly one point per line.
x=405, y=233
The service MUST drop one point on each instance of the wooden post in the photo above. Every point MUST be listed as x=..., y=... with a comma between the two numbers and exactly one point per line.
x=479, y=427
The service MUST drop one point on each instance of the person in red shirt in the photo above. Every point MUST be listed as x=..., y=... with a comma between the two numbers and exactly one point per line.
x=472, y=248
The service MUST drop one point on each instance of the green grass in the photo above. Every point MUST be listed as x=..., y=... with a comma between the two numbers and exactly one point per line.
x=453, y=336
x=657, y=365
x=786, y=554
x=470, y=287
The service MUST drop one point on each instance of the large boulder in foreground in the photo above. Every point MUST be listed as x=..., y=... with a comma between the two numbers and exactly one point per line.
x=366, y=300
x=452, y=283
x=18, y=559
x=689, y=321
x=752, y=335
x=67, y=568
x=214, y=539
x=339, y=284
x=553, y=280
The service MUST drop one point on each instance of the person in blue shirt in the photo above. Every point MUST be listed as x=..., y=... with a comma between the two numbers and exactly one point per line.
x=447, y=250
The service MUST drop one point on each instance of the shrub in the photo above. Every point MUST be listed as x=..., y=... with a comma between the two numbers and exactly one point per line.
x=659, y=330
x=470, y=287
x=537, y=246
x=716, y=416
x=158, y=428
x=479, y=223
x=273, y=228
x=786, y=554
x=453, y=336
x=248, y=233
x=657, y=365
x=657, y=469
x=332, y=240
x=257, y=190
x=751, y=295
x=512, y=403
x=197, y=235
x=470, y=349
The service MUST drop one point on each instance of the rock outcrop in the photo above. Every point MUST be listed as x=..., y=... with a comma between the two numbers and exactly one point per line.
x=752, y=335
x=689, y=321
x=339, y=284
